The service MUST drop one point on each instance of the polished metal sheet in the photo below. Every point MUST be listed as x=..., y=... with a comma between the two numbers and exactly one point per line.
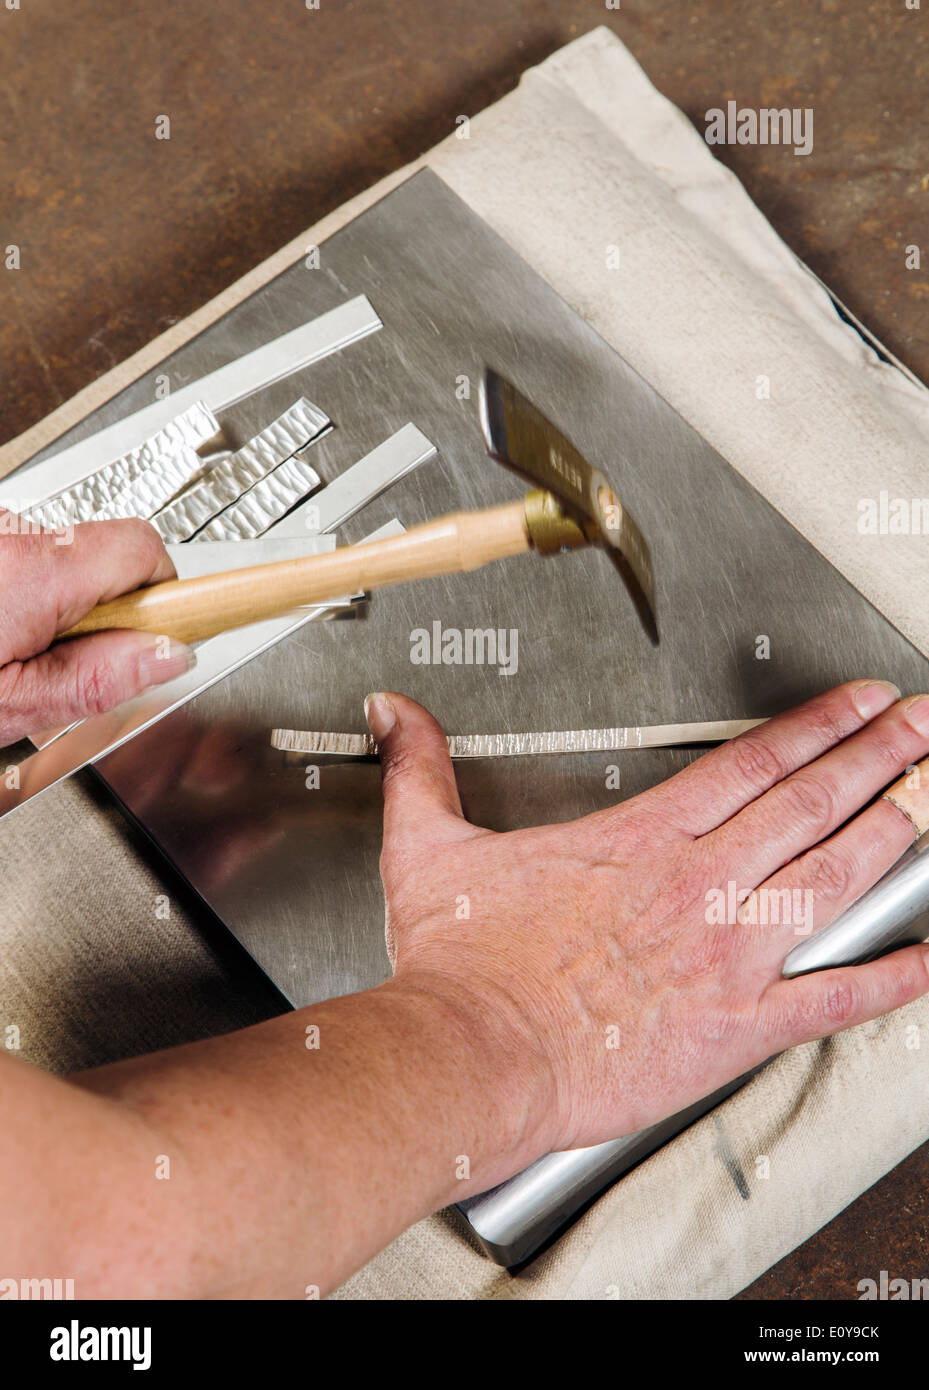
x=290, y=862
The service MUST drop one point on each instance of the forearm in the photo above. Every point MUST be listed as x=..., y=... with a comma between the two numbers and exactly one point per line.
x=296, y=1164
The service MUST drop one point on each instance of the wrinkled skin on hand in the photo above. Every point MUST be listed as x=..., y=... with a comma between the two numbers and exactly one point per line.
x=48, y=581
x=594, y=951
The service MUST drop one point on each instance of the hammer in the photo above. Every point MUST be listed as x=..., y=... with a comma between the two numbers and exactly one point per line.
x=571, y=505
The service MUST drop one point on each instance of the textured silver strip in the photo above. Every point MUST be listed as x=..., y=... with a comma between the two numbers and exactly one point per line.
x=360, y=484
x=265, y=504
x=520, y=745
x=239, y=378
x=227, y=481
x=168, y=476
x=82, y=501
x=85, y=743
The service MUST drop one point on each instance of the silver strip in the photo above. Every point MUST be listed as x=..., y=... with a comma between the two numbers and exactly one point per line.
x=292, y=351
x=227, y=481
x=190, y=430
x=360, y=484
x=521, y=745
x=194, y=561
x=145, y=496
x=264, y=504
x=88, y=742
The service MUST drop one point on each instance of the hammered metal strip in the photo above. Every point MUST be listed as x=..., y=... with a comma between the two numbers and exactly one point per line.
x=227, y=481
x=241, y=377
x=520, y=745
x=265, y=504
x=156, y=486
x=83, y=500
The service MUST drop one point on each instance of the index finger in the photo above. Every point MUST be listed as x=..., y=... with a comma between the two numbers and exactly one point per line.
x=713, y=789
x=49, y=580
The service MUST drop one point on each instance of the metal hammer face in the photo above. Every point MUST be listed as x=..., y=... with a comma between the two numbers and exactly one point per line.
x=586, y=508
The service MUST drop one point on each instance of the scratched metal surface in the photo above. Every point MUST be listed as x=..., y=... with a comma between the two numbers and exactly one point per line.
x=292, y=871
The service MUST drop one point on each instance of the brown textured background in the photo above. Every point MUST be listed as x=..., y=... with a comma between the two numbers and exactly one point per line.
x=279, y=113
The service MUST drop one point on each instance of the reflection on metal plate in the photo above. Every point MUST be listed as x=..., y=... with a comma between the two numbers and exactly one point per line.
x=226, y=482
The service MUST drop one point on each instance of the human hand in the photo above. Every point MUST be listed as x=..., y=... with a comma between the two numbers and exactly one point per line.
x=593, y=955
x=48, y=581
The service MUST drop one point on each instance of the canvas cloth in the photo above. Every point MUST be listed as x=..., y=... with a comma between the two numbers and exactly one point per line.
x=585, y=155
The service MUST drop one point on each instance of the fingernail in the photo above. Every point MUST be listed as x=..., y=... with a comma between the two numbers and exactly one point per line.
x=870, y=699
x=165, y=660
x=380, y=714
x=917, y=712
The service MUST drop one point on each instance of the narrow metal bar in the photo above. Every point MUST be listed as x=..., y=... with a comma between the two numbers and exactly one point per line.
x=147, y=494
x=227, y=481
x=192, y=561
x=189, y=430
x=362, y=483
x=289, y=353
x=522, y=745
x=264, y=504
x=88, y=742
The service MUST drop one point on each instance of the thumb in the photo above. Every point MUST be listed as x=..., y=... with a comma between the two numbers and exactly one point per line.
x=420, y=791
x=86, y=676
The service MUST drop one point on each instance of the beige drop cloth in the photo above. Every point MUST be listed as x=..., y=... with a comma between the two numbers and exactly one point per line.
x=584, y=156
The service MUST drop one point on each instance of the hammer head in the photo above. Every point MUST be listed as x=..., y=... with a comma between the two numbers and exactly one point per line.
x=518, y=435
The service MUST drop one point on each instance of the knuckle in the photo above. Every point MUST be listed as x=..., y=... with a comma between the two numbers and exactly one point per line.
x=95, y=687
x=831, y=724
x=809, y=802
x=838, y=1003
x=758, y=762
x=399, y=766
x=827, y=873
x=721, y=1023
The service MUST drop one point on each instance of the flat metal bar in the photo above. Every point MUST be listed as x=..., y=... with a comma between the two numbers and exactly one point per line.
x=80, y=502
x=326, y=334
x=522, y=745
x=258, y=509
x=87, y=743
x=147, y=494
x=399, y=455
x=193, y=561
x=225, y=483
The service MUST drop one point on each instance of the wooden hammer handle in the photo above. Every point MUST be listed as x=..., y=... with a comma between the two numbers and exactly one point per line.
x=193, y=609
